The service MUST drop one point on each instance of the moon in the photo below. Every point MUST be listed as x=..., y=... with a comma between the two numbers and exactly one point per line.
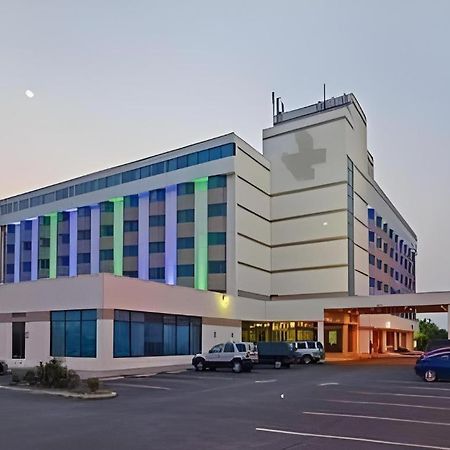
x=29, y=94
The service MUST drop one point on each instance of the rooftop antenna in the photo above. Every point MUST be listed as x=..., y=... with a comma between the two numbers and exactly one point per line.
x=273, y=104
x=324, y=96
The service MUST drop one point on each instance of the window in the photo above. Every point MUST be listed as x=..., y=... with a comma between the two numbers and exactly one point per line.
x=391, y=252
x=130, y=175
x=379, y=221
x=371, y=214
x=157, y=221
x=106, y=231
x=217, y=209
x=106, y=255
x=26, y=266
x=371, y=236
x=64, y=238
x=185, y=216
x=131, y=201
x=28, y=225
x=84, y=211
x=107, y=207
x=130, y=273
x=385, y=247
x=74, y=333
x=10, y=269
x=130, y=250
x=217, y=238
x=157, y=247
x=372, y=259
x=158, y=195
x=217, y=266
x=27, y=245
x=185, y=189
x=378, y=242
x=218, y=181
x=10, y=249
x=130, y=226
x=386, y=288
x=185, y=270
x=63, y=261
x=371, y=282
x=391, y=272
x=157, y=273
x=84, y=235
x=151, y=334
x=229, y=348
x=18, y=340
x=385, y=267
x=84, y=258
x=379, y=263
x=379, y=285
x=186, y=242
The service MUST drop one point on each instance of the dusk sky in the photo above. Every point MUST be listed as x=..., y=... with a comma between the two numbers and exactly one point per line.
x=116, y=81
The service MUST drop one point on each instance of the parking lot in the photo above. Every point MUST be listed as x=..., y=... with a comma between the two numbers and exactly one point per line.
x=373, y=404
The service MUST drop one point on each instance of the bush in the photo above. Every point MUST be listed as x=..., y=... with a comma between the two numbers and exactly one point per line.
x=73, y=379
x=15, y=378
x=93, y=384
x=31, y=377
x=54, y=375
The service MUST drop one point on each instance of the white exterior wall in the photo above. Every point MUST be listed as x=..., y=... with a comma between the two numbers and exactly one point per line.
x=222, y=334
x=253, y=240
x=5, y=341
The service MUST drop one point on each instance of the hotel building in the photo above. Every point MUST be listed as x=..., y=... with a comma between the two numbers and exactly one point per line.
x=149, y=262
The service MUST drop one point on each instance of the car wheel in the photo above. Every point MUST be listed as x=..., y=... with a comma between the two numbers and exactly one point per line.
x=430, y=376
x=200, y=365
x=306, y=359
x=237, y=366
x=277, y=364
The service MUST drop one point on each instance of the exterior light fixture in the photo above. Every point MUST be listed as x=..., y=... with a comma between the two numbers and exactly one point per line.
x=325, y=224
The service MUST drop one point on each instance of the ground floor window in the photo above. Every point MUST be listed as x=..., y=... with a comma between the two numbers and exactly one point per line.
x=279, y=331
x=151, y=334
x=18, y=340
x=74, y=333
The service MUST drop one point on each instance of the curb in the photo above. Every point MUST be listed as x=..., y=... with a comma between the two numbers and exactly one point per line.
x=65, y=394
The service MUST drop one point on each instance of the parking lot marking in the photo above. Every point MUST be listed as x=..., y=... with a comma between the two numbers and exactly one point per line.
x=329, y=384
x=349, y=438
x=141, y=386
x=401, y=405
x=399, y=395
x=112, y=378
x=389, y=419
x=265, y=381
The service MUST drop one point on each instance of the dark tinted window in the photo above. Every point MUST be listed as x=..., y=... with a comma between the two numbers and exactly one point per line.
x=229, y=348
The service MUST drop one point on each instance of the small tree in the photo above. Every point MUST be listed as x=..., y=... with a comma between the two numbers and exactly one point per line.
x=428, y=330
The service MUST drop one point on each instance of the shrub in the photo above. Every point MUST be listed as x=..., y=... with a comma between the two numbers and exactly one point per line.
x=30, y=377
x=93, y=384
x=73, y=379
x=15, y=378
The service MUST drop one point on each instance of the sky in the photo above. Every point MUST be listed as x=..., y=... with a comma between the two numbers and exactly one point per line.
x=116, y=81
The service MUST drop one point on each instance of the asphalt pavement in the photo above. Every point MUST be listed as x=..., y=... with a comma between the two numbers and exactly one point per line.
x=358, y=405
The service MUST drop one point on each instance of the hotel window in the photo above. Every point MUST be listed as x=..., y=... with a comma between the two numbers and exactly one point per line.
x=217, y=266
x=157, y=273
x=385, y=268
x=372, y=259
x=217, y=238
x=130, y=250
x=185, y=216
x=157, y=247
x=151, y=334
x=385, y=247
x=379, y=263
x=217, y=209
x=185, y=242
x=157, y=221
x=379, y=285
x=379, y=222
x=371, y=236
x=185, y=270
x=378, y=242
x=74, y=333
x=371, y=282
x=386, y=288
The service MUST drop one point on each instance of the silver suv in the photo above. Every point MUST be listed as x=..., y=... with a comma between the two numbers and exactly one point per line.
x=228, y=354
x=309, y=351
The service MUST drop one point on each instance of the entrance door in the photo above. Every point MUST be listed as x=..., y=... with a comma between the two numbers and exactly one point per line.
x=18, y=340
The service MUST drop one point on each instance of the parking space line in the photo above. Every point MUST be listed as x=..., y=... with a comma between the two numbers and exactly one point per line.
x=401, y=405
x=141, y=386
x=399, y=395
x=329, y=384
x=349, y=438
x=389, y=419
x=265, y=381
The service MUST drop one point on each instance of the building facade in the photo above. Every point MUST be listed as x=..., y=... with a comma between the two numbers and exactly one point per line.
x=303, y=220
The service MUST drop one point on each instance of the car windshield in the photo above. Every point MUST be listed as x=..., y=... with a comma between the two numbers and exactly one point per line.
x=241, y=347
